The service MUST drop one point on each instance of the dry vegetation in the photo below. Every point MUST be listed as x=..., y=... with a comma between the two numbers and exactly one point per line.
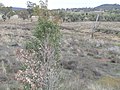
x=87, y=64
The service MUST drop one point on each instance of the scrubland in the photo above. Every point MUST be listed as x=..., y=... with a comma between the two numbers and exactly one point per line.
x=87, y=63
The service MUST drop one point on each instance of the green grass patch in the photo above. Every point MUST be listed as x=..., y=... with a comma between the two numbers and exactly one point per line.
x=117, y=44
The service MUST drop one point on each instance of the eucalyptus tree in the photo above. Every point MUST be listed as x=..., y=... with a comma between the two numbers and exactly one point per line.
x=30, y=6
x=6, y=11
x=43, y=4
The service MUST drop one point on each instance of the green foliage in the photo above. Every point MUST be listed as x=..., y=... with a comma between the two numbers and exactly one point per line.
x=46, y=28
x=61, y=14
x=23, y=14
x=34, y=44
x=37, y=11
x=30, y=11
x=27, y=87
x=117, y=44
x=48, y=31
x=46, y=48
x=92, y=17
x=5, y=10
x=111, y=15
x=43, y=54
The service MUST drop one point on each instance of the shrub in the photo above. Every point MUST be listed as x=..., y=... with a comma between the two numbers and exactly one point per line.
x=23, y=14
x=40, y=60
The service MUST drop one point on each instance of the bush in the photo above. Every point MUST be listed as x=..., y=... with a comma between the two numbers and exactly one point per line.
x=23, y=14
x=40, y=60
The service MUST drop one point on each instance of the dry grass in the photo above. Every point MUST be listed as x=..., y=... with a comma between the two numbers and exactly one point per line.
x=99, y=87
x=70, y=81
x=110, y=81
x=105, y=83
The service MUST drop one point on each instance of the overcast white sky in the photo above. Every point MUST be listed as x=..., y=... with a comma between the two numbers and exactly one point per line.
x=53, y=4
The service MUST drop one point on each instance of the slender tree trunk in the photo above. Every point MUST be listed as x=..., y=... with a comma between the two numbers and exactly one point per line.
x=94, y=26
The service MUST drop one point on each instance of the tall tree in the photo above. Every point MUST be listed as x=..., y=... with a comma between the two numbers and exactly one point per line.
x=30, y=6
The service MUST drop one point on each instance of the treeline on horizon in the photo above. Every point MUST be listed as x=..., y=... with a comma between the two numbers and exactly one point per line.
x=112, y=15
x=73, y=14
x=107, y=12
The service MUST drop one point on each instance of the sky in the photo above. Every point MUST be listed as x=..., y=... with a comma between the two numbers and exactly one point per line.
x=55, y=4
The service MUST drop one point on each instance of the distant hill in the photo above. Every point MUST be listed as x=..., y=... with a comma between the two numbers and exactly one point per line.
x=107, y=7
x=98, y=8
x=17, y=8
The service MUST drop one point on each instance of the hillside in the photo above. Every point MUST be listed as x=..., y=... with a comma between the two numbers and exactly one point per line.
x=107, y=7
x=17, y=8
x=97, y=8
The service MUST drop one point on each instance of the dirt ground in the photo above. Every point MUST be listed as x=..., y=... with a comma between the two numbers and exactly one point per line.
x=83, y=56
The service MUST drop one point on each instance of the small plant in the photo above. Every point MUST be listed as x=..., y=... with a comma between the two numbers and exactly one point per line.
x=23, y=14
x=41, y=57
